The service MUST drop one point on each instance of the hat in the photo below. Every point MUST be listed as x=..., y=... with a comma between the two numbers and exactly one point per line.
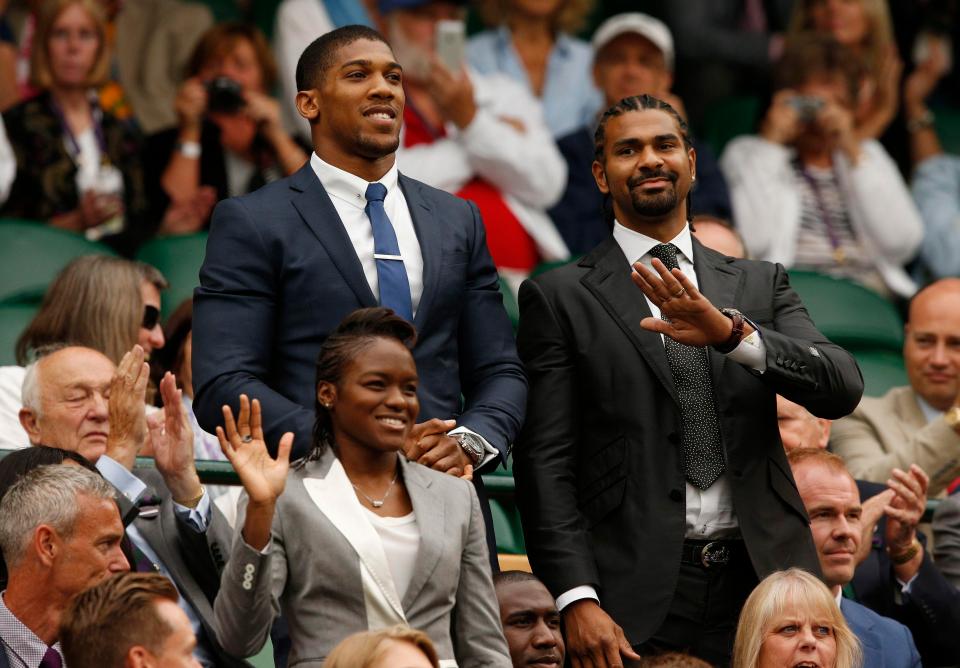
x=387, y=6
x=644, y=25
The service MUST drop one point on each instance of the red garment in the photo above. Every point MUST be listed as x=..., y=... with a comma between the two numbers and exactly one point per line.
x=510, y=245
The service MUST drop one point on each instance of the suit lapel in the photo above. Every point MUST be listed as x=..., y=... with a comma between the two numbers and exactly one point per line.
x=719, y=282
x=429, y=509
x=429, y=236
x=318, y=212
x=610, y=283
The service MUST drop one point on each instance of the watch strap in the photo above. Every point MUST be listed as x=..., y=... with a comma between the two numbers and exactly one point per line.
x=736, y=334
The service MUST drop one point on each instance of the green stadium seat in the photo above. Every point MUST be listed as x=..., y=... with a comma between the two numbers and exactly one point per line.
x=33, y=253
x=510, y=303
x=14, y=318
x=881, y=369
x=849, y=314
x=179, y=258
x=730, y=118
x=506, y=527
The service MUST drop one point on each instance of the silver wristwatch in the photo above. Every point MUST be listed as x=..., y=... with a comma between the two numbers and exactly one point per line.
x=472, y=446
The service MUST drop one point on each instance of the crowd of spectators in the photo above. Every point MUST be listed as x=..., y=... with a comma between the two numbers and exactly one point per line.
x=359, y=405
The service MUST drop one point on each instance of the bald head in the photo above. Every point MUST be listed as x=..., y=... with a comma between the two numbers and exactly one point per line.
x=65, y=401
x=931, y=349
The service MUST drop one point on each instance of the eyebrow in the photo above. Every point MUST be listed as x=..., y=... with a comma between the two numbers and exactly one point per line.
x=626, y=141
x=366, y=62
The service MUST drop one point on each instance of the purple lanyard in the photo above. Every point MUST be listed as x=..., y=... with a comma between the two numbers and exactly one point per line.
x=97, y=115
x=835, y=244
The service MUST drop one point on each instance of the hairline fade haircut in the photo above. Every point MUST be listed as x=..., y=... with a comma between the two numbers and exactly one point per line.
x=319, y=55
x=103, y=623
x=514, y=577
x=46, y=495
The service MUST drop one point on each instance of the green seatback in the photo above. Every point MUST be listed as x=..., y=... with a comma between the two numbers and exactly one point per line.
x=849, y=314
x=506, y=527
x=179, y=258
x=730, y=118
x=881, y=369
x=14, y=318
x=33, y=253
x=510, y=303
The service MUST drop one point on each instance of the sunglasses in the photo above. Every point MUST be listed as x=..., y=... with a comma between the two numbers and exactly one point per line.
x=151, y=317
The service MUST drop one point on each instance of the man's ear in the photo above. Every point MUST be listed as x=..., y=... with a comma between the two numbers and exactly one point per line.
x=600, y=176
x=138, y=657
x=30, y=422
x=45, y=544
x=308, y=104
x=692, y=157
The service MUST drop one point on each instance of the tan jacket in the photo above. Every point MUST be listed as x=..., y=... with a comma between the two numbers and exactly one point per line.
x=890, y=432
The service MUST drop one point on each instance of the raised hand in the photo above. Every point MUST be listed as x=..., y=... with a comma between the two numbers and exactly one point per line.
x=263, y=477
x=872, y=512
x=171, y=439
x=692, y=319
x=126, y=408
x=907, y=507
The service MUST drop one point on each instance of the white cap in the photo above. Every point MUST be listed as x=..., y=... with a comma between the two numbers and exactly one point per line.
x=644, y=25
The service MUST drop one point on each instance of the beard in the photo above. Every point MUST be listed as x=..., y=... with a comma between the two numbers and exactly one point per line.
x=374, y=147
x=656, y=204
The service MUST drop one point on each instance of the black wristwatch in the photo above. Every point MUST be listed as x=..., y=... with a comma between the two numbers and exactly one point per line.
x=472, y=446
x=736, y=336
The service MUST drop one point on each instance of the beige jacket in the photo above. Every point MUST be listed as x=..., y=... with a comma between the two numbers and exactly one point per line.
x=890, y=432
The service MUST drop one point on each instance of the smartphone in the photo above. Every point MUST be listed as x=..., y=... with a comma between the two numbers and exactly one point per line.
x=451, y=38
x=807, y=106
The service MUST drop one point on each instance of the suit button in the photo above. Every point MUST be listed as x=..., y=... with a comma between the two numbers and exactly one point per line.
x=676, y=495
x=673, y=437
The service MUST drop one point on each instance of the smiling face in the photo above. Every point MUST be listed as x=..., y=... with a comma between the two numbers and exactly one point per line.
x=375, y=404
x=531, y=624
x=833, y=504
x=73, y=47
x=795, y=639
x=646, y=169
x=931, y=349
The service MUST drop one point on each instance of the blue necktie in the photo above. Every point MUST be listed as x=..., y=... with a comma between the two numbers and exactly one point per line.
x=391, y=274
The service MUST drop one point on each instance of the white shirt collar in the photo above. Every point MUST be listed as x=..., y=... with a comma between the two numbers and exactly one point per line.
x=346, y=186
x=636, y=245
x=929, y=411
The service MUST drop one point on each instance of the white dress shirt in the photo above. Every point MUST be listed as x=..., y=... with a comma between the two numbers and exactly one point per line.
x=709, y=512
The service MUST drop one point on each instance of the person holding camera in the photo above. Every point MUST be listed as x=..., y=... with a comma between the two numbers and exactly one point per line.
x=808, y=192
x=230, y=139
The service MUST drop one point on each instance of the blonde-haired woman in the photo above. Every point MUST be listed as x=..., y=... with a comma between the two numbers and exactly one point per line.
x=386, y=648
x=531, y=42
x=792, y=618
x=865, y=28
x=78, y=167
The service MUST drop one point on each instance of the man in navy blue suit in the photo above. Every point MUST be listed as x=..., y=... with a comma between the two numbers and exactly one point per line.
x=832, y=501
x=287, y=263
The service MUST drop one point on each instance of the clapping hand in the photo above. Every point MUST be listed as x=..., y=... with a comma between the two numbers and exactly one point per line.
x=126, y=408
x=907, y=507
x=171, y=439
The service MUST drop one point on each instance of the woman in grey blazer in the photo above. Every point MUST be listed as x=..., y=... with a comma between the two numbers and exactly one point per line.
x=360, y=538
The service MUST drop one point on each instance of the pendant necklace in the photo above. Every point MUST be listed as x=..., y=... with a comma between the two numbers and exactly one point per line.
x=377, y=503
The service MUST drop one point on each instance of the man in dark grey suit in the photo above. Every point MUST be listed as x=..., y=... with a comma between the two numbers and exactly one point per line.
x=651, y=480
x=76, y=400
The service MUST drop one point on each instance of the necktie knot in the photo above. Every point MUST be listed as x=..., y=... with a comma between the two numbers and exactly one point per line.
x=51, y=659
x=666, y=253
x=376, y=192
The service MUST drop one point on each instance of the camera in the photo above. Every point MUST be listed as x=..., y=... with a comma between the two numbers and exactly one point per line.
x=224, y=96
x=807, y=107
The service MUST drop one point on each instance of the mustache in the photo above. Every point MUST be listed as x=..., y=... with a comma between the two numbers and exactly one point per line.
x=652, y=174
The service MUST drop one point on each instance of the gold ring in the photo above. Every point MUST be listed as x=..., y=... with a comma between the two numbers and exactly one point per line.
x=680, y=293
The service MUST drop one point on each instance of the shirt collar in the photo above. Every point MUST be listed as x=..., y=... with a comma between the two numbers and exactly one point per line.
x=635, y=245
x=24, y=642
x=561, y=44
x=929, y=412
x=348, y=187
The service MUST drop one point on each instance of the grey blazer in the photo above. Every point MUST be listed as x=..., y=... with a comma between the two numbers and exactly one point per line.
x=313, y=574
x=946, y=538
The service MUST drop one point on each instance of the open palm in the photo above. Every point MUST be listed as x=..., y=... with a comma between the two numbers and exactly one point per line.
x=241, y=440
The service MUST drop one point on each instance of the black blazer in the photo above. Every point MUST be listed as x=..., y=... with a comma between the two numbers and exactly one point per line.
x=600, y=483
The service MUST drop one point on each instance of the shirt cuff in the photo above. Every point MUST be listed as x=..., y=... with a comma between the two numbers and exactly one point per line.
x=197, y=518
x=576, y=594
x=751, y=352
x=491, y=452
x=125, y=482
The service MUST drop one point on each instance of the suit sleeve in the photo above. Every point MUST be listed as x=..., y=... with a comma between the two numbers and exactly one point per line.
x=494, y=384
x=946, y=538
x=935, y=448
x=233, y=328
x=545, y=456
x=477, y=636
x=249, y=598
x=204, y=552
x=932, y=606
x=802, y=364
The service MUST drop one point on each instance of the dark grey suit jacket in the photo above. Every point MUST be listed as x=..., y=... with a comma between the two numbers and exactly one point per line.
x=600, y=482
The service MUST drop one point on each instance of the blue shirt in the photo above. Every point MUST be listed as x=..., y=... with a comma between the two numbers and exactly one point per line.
x=569, y=99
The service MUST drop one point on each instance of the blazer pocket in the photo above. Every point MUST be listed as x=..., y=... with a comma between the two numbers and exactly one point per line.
x=786, y=489
x=604, y=481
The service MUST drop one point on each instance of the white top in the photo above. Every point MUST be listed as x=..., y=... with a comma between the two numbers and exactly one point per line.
x=709, y=512
x=12, y=435
x=8, y=164
x=348, y=194
x=87, y=161
x=401, y=543
x=767, y=208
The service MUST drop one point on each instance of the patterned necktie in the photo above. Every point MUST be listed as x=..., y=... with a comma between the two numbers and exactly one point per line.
x=702, y=450
x=391, y=274
x=51, y=659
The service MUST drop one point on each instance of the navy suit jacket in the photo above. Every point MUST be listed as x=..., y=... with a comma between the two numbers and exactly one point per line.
x=281, y=273
x=886, y=643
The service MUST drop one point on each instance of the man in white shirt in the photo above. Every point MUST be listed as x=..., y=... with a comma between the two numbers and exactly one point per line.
x=651, y=480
